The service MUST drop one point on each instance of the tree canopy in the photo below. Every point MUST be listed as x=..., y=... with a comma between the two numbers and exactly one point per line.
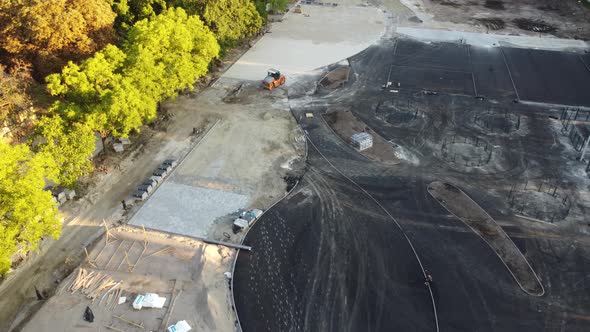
x=50, y=33
x=169, y=52
x=228, y=19
x=27, y=212
x=131, y=11
x=68, y=149
x=231, y=19
x=117, y=90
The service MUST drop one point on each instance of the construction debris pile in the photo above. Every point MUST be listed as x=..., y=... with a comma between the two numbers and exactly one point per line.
x=96, y=285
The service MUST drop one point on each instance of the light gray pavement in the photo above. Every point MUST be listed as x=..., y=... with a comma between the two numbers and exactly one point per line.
x=317, y=37
x=188, y=210
x=237, y=165
x=491, y=40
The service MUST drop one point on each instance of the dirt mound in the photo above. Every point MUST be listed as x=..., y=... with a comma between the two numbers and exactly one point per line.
x=345, y=124
x=469, y=212
x=492, y=23
x=335, y=78
x=534, y=25
x=494, y=4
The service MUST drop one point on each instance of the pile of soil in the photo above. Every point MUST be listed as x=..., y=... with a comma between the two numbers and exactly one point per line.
x=492, y=23
x=469, y=212
x=494, y=4
x=335, y=78
x=345, y=124
x=534, y=25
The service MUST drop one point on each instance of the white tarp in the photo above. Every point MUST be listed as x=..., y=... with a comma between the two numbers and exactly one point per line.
x=181, y=326
x=149, y=300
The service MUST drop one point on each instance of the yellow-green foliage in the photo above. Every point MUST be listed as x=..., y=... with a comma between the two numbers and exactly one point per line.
x=231, y=19
x=117, y=91
x=67, y=147
x=99, y=94
x=27, y=212
x=168, y=53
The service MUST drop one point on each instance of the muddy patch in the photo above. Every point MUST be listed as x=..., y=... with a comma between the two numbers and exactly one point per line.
x=335, y=78
x=415, y=19
x=450, y=4
x=496, y=122
x=492, y=23
x=494, y=4
x=534, y=25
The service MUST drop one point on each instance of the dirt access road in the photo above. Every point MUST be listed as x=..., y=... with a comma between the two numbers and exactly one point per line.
x=171, y=139
x=174, y=139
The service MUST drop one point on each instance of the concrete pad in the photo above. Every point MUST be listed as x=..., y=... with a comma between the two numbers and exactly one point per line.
x=490, y=40
x=235, y=165
x=187, y=210
x=302, y=43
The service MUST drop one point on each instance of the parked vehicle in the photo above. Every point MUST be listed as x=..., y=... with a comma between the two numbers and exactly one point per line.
x=246, y=219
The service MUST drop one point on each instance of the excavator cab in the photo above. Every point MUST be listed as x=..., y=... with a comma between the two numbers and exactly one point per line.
x=273, y=79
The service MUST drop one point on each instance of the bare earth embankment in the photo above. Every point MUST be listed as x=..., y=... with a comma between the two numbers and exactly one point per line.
x=463, y=207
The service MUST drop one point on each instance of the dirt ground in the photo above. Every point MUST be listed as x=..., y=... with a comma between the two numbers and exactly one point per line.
x=191, y=278
x=345, y=124
x=460, y=205
x=317, y=37
x=240, y=164
x=559, y=18
x=335, y=78
x=170, y=137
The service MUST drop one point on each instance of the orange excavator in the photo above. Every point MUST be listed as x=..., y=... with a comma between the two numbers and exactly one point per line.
x=273, y=79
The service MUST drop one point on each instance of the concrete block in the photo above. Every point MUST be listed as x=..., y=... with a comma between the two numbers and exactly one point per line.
x=118, y=147
x=141, y=195
x=160, y=172
x=145, y=187
x=156, y=178
x=170, y=162
x=125, y=141
x=70, y=194
x=150, y=182
x=165, y=167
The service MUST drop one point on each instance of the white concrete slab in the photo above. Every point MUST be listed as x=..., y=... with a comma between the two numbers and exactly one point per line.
x=187, y=210
x=302, y=43
x=492, y=40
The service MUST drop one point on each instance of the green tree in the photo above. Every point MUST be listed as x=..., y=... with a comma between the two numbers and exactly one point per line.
x=131, y=11
x=49, y=33
x=278, y=5
x=168, y=53
x=261, y=9
x=27, y=212
x=228, y=19
x=231, y=19
x=69, y=147
x=116, y=91
x=98, y=94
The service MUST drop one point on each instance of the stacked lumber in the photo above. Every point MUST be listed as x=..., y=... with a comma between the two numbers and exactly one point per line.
x=96, y=285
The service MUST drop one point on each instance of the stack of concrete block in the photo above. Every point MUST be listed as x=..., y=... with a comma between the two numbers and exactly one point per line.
x=362, y=141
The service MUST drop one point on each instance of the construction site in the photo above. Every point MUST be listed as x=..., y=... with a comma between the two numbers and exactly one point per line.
x=405, y=166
